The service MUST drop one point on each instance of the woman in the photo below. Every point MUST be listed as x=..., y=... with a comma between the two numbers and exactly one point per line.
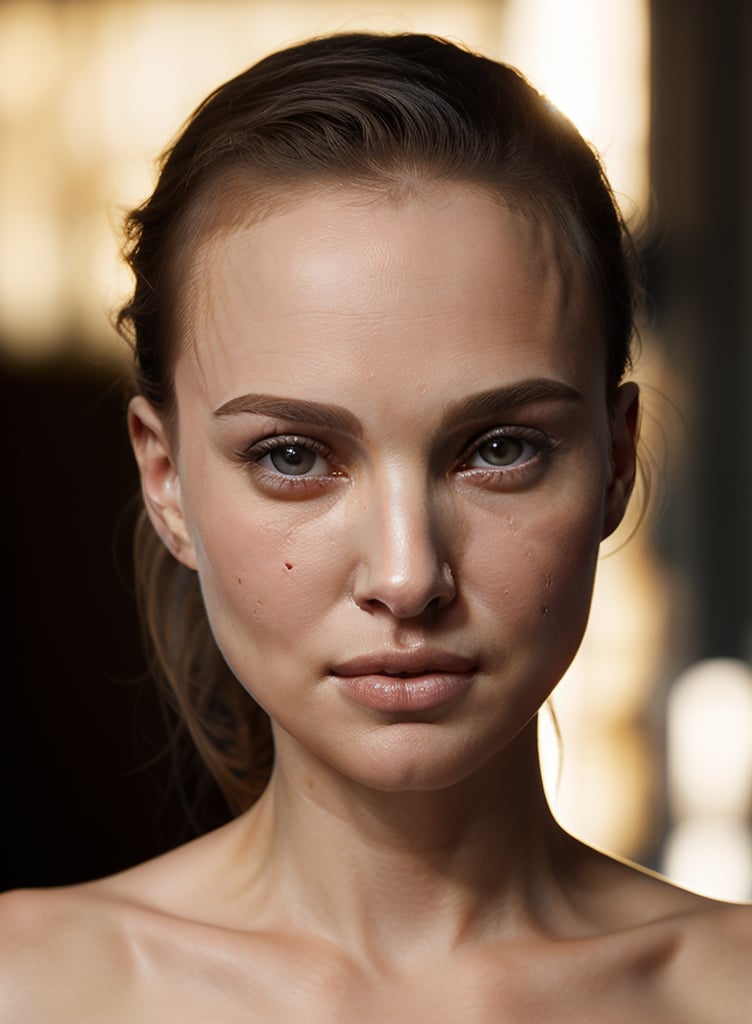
x=382, y=318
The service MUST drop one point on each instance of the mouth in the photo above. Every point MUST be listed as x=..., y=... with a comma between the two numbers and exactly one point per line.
x=395, y=681
x=404, y=675
x=405, y=664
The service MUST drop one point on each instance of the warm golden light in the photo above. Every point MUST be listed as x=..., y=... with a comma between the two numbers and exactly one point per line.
x=90, y=94
x=711, y=856
x=709, y=848
x=710, y=739
x=591, y=58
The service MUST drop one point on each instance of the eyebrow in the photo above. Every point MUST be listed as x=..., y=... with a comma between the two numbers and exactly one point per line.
x=482, y=406
x=497, y=401
x=313, y=413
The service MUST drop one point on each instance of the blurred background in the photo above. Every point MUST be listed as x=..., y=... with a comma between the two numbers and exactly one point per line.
x=655, y=757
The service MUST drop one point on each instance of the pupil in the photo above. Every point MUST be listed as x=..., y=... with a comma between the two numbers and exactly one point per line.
x=294, y=460
x=501, y=451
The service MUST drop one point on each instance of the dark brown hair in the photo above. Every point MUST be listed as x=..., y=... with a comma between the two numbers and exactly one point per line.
x=373, y=110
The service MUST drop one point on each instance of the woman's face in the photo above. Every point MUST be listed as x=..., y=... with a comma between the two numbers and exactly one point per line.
x=395, y=464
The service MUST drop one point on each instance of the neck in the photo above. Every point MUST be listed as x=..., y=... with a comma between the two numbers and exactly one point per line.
x=412, y=871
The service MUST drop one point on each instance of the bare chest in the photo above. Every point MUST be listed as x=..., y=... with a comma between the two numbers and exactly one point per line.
x=317, y=989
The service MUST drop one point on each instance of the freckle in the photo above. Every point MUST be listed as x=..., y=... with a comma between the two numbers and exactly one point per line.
x=240, y=582
x=288, y=566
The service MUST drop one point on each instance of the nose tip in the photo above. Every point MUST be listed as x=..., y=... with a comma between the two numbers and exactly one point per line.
x=405, y=523
x=416, y=591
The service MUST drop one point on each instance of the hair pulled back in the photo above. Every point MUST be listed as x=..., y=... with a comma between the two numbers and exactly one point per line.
x=378, y=110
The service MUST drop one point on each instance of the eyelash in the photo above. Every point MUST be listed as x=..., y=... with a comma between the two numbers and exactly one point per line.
x=254, y=453
x=543, y=448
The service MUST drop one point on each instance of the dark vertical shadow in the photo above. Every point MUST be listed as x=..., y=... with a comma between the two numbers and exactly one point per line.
x=81, y=718
x=701, y=170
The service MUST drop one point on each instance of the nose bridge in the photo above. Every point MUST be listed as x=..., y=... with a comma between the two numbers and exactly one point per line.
x=404, y=559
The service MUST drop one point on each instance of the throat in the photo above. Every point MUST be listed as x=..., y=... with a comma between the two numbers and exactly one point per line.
x=408, y=874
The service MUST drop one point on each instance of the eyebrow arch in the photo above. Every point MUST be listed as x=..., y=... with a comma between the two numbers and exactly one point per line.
x=315, y=414
x=497, y=401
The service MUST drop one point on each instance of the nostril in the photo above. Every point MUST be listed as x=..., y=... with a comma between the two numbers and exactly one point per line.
x=407, y=597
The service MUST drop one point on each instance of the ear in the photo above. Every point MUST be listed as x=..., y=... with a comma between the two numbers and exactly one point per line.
x=160, y=484
x=625, y=429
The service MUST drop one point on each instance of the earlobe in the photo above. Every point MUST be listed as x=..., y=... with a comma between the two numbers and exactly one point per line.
x=625, y=429
x=160, y=484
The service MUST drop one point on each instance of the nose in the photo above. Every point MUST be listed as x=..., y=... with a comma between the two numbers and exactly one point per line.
x=403, y=564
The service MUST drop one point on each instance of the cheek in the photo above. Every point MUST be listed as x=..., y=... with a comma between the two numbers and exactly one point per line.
x=268, y=580
x=536, y=575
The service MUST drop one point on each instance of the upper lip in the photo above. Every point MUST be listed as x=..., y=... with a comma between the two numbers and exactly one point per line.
x=420, y=661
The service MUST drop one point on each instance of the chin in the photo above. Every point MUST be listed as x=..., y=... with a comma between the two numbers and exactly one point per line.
x=416, y=757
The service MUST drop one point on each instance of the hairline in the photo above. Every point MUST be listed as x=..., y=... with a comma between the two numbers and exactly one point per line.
x=237, y=197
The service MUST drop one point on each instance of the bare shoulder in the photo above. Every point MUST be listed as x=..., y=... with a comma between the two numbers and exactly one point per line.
x=712, y=969
x=61, y=951
x=725, y=928
x=708, y=969
x=694, y=954
x=92, y=952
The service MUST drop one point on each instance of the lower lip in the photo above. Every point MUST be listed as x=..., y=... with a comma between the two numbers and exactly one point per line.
x=415, y=693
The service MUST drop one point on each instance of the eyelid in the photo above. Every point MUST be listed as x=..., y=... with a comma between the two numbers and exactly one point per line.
x=291, y=485
x=543, y=444
x=257, y=449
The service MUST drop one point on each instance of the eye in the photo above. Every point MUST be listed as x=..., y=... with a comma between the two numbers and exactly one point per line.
x=291, y=458
x=503, y=450
x=291, y=466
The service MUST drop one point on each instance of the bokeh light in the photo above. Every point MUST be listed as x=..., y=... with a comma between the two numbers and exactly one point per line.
x=90, y=93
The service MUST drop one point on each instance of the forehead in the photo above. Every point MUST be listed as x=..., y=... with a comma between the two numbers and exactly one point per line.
x=442, y=287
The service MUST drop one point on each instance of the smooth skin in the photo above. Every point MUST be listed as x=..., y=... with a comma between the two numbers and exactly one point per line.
x=393, y=441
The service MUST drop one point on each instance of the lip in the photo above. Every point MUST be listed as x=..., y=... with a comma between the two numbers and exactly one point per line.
x=432, y=678
x=417, y=661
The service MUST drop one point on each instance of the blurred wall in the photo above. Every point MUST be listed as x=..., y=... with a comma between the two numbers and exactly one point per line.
x=699, y=262
x=700, y=267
